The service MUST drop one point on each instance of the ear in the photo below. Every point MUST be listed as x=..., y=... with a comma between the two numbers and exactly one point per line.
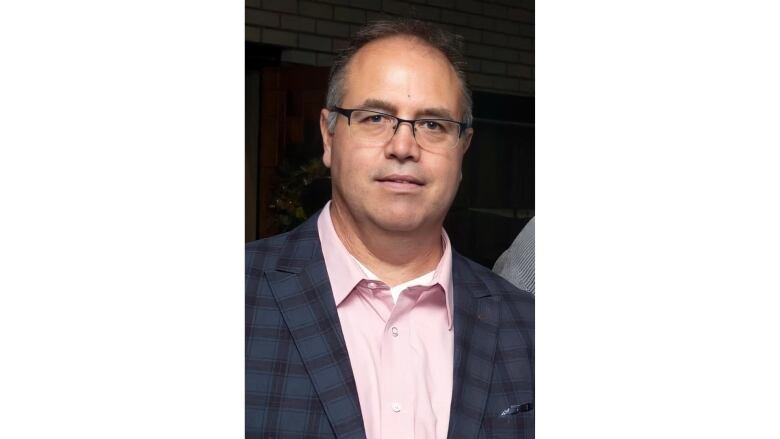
x=327, y=137
x=467, y=135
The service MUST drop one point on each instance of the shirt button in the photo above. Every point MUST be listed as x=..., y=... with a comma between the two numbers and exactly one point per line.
x=394, y=330
x=396, y=407
x=371, y=285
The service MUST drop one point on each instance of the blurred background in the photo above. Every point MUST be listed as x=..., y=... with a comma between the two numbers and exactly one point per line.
x=290, y=45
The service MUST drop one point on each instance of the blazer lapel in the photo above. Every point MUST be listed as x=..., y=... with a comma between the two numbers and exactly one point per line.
x=302, y=291
x=476, y=329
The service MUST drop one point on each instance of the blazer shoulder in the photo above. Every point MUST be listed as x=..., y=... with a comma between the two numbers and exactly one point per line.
x=496, y=284
x=263, y=254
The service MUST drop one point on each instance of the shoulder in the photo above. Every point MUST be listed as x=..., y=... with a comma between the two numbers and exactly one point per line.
x=286, y=250
x=517, y=306
x=263, y=254
x=496, y=284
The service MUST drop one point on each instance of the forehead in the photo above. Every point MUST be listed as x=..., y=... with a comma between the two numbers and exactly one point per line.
x=404, y=71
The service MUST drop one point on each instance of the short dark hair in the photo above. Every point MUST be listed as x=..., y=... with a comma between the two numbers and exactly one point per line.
x=448, y=43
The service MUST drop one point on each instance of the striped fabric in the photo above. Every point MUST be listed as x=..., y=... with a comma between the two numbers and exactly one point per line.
x=516, y=264
x=299, y=380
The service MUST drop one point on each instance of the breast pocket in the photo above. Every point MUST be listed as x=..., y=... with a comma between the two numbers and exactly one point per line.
x=517, y=426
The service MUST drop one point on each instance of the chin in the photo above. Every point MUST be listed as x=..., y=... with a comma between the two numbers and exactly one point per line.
x=399, y=227
x=399, y=222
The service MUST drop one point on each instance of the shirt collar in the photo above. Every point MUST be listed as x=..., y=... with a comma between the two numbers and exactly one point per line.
x=345, y=272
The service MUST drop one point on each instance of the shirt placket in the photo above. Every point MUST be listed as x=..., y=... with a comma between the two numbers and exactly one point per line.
x=397, y=379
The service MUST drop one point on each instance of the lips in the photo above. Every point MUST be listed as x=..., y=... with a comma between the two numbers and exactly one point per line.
x=401, y=179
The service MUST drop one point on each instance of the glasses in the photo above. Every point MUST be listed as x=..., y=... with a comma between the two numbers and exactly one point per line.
x=378, y=128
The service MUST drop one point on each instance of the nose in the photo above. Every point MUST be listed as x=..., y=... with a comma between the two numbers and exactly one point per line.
x=403, y=146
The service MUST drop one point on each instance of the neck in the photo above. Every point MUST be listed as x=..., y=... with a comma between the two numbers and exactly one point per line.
x=395, y=257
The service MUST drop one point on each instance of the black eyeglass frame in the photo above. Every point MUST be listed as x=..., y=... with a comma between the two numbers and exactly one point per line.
x=347, y=112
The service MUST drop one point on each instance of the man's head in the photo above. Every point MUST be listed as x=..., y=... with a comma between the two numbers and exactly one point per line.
x=447, y=43
x=404, y=181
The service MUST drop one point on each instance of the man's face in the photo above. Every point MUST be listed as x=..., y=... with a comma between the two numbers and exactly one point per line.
x=408, y=79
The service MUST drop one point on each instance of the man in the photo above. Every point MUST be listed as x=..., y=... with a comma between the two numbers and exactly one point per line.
x=363, y=321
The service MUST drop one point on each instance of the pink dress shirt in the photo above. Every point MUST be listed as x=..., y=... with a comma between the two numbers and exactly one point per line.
x=401, y=353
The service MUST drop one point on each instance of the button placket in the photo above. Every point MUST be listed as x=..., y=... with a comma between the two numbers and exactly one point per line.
x=397, y=383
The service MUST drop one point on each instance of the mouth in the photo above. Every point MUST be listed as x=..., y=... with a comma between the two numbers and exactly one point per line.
x=400, y=182
x=401, y=179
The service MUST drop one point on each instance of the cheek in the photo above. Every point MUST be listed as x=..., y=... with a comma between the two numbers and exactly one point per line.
x=450, y=174
x=349, y=164
x=337, y=161
x=449, y=182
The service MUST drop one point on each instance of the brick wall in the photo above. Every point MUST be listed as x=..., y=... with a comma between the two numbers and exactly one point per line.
x=499, y=34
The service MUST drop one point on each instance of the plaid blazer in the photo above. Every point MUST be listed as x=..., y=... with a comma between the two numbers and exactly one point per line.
x=299, y=381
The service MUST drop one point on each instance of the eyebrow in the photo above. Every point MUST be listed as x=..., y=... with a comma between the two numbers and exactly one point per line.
x=387, y=107
x=379, y=105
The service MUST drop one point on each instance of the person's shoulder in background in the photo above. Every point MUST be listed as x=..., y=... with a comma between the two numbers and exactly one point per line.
x=517, y=263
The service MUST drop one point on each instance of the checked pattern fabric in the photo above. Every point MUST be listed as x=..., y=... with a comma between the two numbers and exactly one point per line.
x=299, y=381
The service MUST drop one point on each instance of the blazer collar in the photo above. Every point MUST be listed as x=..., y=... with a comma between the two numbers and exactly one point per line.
x=301, y=249
x=300, y=285
x=477, y=318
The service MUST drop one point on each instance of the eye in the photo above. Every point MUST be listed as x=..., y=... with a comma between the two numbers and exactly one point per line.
x=431, y=125
x=372, y=118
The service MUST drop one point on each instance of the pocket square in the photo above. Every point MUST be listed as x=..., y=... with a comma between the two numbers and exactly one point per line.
x=517, y=408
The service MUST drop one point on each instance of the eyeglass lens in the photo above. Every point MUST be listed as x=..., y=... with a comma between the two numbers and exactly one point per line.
x=379, y=128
